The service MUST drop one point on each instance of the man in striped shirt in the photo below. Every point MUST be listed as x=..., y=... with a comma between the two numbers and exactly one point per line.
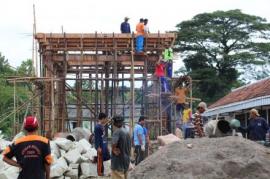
x=198, y=120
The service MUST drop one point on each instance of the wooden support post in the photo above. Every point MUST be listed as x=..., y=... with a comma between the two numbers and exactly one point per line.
x=52, y=106
x=115, y=75
x=160, y=107
x=102, y=94
x=131, y=121
x=14, y=106
x=107, y=75
x=91, y=100
x=96, y=77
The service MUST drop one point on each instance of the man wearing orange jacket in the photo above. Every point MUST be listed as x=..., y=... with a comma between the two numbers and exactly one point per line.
x=140, y=36
x=32, y=153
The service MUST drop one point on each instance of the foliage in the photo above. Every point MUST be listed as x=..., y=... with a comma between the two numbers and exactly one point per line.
x=215, y=46
x=7, y=91
x=26, y=68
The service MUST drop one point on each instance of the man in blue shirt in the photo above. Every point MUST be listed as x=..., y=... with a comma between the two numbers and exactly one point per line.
x=125, y=27
x=99, y=134
x=257, y=127
x=139, y=140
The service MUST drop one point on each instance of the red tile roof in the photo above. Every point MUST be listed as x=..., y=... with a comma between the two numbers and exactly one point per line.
x=253, y=90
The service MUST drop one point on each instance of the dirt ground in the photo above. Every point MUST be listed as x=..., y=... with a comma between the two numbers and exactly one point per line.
x=215, y=158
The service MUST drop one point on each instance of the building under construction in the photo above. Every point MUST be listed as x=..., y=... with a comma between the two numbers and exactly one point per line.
x=96, y=72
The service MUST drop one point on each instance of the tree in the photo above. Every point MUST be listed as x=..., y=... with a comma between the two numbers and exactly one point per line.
x=6, y=93
x=4, y=66
x=26, y=68
x=214, y=46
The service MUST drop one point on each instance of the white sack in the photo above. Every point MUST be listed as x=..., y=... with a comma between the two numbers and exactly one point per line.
x=63, y=143
x=88, y=170
x=59, y=168
x=73, y=156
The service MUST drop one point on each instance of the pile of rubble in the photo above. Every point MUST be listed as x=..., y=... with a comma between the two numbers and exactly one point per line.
x=227, y=157
x=71, y=160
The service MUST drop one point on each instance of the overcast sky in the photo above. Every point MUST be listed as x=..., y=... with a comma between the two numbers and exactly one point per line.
x=85, y=16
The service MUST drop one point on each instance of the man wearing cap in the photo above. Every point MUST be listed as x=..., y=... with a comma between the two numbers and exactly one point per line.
x=121, y=147
x=32, y=153
x=199, y=120
x=125, y=27
x=257, y=126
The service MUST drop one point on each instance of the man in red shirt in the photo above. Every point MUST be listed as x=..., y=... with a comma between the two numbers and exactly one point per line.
x=160, y=73
x=32, y=153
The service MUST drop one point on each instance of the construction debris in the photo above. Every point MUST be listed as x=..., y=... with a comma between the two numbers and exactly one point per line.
x=223, y=158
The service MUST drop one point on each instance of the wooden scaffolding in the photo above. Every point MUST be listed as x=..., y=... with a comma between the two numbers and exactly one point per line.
x=102, y=72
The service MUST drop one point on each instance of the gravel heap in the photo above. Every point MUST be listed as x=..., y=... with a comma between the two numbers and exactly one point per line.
x=207, y=158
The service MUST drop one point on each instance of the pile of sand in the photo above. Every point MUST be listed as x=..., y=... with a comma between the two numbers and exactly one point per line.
x=228, y=157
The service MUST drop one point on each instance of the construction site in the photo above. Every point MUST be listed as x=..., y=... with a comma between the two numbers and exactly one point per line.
x=103, y=73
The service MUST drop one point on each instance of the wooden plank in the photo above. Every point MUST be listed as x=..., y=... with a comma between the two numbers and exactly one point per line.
x=99, y=35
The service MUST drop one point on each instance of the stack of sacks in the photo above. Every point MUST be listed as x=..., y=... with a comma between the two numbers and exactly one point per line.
x=74, y=159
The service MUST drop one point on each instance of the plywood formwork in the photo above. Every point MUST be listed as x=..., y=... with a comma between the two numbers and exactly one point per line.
x=107, y=62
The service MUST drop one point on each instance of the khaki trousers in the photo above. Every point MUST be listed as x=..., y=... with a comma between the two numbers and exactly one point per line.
x=118, y=175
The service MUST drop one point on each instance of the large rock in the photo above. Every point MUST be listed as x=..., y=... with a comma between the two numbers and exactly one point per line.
x=167, y=139
x=78, y=134
x=209, y=158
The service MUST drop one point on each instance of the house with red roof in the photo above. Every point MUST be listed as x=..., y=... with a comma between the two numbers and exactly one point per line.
x=239, y=101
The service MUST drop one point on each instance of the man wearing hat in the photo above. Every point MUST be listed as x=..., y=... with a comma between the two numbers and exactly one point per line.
x=257, y=126
x=121, y=147
x=125, y=27
x=199, y=120
x=32, y=153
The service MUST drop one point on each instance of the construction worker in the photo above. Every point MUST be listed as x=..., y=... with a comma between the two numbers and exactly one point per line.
x=159, y=72
x=257, y=127
x=199, y=120
x=32, y=152
x=187, y=115
x=121, y=147
x=139, y=140
x=168, y=58
x=140, y=36
x=180, y=94
x=100, y=144
x=125, y=27
x=146, y=28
